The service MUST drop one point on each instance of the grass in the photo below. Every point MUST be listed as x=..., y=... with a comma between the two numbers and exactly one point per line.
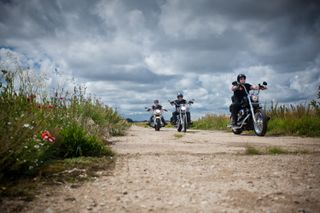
x=250, y=150
x=211, y=122
x=177, y=135
x=300, y=120
x=272, y=150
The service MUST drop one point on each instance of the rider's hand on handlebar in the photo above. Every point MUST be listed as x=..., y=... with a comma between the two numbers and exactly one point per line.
x=262, y=87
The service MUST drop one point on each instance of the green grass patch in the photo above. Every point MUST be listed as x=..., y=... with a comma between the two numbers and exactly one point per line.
x=277, y=151
x=178, y=135
x=211, y=122
x=250, y=150
x=307, y=125
x=272, y=150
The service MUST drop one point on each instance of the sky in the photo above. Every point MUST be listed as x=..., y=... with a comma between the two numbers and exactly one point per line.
x=131, y=52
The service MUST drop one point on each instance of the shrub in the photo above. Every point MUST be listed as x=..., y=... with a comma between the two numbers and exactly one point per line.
x=75, y=141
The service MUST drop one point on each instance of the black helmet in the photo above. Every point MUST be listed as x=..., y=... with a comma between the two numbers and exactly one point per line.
x=241, y=76
x=156, y=101
x=179, y=95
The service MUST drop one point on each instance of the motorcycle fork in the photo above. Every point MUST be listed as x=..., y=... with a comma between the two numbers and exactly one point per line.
x=251, y=109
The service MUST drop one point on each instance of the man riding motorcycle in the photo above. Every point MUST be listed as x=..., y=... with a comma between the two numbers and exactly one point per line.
x=239, y=95
x=156, y=105
x=177, y=103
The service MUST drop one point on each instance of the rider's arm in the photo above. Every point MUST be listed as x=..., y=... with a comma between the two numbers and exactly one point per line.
x=256, y=87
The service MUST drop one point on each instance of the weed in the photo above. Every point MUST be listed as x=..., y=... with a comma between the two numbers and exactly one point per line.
x=250, y=150
x=177, y=135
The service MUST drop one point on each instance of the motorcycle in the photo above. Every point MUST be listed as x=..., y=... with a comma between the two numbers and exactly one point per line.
x=251, y=116
x=156, y=122
x=182, y=109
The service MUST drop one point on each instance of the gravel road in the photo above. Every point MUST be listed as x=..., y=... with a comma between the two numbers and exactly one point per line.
x=197, y=171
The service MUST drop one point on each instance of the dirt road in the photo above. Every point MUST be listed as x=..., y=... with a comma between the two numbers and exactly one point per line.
x=200, y=171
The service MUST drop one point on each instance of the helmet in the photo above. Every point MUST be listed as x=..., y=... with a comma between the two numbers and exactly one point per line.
x=241, y=76
x=179, y=94
x=156, y=101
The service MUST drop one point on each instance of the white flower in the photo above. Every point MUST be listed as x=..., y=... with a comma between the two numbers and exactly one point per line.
x=30, y=167
x=36, y=146
x=9, y=123
x=26, y=147
x=26, y=125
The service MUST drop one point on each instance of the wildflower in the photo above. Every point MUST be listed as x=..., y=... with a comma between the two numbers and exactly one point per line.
x=26, y=147
x=9, y=123
x=36, y=146
x=26, y=125
x=46, y=136
x=30, y=167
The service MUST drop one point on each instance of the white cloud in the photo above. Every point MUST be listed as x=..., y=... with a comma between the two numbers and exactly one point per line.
x=132, y=52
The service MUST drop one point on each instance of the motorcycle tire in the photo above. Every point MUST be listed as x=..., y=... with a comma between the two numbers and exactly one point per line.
x=260, y=128
x=185, y=124
x=158, y=125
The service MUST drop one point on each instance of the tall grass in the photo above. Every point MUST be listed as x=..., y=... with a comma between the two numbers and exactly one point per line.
x=302, y=120
x=35, y=129
x=212, y=122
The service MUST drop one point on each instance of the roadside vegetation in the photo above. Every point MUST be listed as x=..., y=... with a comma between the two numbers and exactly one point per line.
x=211, y=122
x=272, y=150
x=295, y=120
x=41, y=129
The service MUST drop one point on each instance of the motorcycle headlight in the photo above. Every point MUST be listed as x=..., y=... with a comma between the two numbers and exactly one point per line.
x=254, y=98
x=157, y=111
x=183, y=108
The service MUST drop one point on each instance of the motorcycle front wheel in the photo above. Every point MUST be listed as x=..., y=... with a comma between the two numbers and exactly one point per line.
x=260, y=126
x=158, y=125
x=179, y=125
x=184, y=127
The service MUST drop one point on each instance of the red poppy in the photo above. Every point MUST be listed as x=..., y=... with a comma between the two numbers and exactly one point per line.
x=46, y=136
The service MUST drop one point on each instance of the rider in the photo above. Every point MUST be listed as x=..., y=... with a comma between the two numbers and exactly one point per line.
x=239, y=94
x=177, y=103
x=156, y=105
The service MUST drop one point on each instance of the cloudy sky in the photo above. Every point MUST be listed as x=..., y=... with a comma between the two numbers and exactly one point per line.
x=130, y=52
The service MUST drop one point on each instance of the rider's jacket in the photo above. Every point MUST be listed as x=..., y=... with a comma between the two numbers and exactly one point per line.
x=154, y=107
x=240, y=93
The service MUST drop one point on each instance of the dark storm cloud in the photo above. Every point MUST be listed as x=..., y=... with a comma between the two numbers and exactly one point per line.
x=146, y=49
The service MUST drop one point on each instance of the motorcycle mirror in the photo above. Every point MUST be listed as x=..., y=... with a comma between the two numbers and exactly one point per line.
x=265, y=83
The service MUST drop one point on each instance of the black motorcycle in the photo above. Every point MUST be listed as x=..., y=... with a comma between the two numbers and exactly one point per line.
x=251, y=116
x=182, y=109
